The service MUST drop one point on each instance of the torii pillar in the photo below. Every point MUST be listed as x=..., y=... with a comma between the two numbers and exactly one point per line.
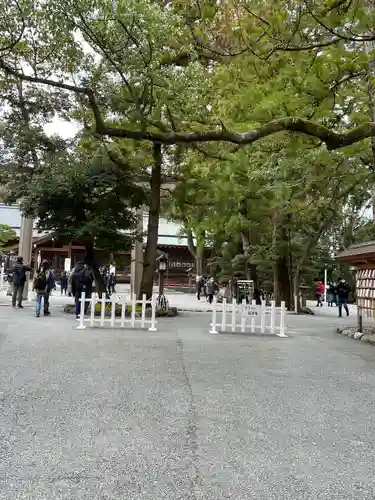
x=136, y=268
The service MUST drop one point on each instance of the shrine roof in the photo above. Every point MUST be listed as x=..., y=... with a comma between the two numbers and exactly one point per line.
x=358, y=253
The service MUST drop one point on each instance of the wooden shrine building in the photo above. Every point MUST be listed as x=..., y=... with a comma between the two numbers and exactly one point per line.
x=362, y=258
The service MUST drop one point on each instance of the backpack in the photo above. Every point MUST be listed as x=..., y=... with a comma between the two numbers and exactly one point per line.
x=84, y=277
x=40, y=281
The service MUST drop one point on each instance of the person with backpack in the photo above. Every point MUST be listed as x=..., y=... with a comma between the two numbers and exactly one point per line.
x=18, y=281
x=82, y=280
x=43, y=283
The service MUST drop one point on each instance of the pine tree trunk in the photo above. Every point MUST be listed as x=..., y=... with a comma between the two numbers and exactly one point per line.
x=284, y=283
x=149, y=259
x=369, y=47
x=199, y=256
x=246, y=251
x=196, y=252
x=297, y=290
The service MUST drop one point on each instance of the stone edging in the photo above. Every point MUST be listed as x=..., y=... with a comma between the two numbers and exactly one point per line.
x=368, y=334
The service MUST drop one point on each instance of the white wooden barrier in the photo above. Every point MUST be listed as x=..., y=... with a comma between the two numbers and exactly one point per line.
x=3, y=282
x=122, y=321
x=247, y=315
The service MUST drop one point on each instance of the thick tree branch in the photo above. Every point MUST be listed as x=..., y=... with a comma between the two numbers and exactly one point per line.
x=332, y=139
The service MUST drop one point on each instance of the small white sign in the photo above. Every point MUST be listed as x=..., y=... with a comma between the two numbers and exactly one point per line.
x=67, y=264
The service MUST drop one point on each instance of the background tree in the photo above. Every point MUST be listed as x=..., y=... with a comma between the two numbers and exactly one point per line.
x=81, y=194
x=6, y=234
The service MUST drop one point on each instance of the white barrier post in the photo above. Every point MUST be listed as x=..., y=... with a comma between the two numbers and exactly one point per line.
x=143, y=318
x=92, y=312
x=273, y=314
x=81, y=325
x=263, y=317
x=123, y=310
x=224, y=316
x=295, y=303
x=153, y=315
x=134, y=307
x=282, y=321
x=2, y=276
x=213, y=330
x=243, y=316
x=234, y=311
x=253, y=310
x=102, y=309
x=113, y=310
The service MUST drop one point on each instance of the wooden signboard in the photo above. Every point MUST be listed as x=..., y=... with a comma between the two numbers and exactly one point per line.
x=366, y=291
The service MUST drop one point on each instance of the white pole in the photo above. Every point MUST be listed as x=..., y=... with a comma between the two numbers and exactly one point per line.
x=224, y=316
x=102, y=309
x=113, y=310
x=81, y=325
x=282, y=321
x=213, y=321
x=263, y=317
x=25, y=247
x=134, y=308
x=234, y=311
x=2, y=276
x=295, y=303
x=325, y=285
x=273, y=314
x=92, y=313
x=153, y=315
x=243, y=316
x=123, y=310
x=253, y=310
x=143, y=319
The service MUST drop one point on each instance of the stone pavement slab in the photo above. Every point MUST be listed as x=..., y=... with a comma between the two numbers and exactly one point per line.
x=179, y=414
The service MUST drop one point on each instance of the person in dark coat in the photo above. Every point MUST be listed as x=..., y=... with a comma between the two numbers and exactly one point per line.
x=64, y=282
x=112, y=283
x=343, y=290
x=199, y=286
x=82, y=280
x=331, y=294
x=18, y=281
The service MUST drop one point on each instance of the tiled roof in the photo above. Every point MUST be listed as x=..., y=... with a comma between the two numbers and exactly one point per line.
x=362, y=249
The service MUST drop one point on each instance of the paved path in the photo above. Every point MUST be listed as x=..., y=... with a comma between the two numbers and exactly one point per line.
x=180, y=414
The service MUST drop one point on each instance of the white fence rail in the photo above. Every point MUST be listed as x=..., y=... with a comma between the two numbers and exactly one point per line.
x=3, y=281
x=113, y=320
x=248, y=318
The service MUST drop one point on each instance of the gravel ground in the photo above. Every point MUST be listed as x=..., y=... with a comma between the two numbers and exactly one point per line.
x=180, y=414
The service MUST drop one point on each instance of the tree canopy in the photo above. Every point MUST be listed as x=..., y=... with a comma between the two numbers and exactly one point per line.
x=6, y=234
x=146, y=70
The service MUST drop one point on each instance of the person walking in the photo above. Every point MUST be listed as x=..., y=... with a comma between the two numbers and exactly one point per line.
x=331, y=295
x=64, y=282
x=18, y=282
x=43, y=284
x=82, y=280
x=343, y=290
x=112, y=283
x=319, y=291
x=199, y=286
x=211, y=288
